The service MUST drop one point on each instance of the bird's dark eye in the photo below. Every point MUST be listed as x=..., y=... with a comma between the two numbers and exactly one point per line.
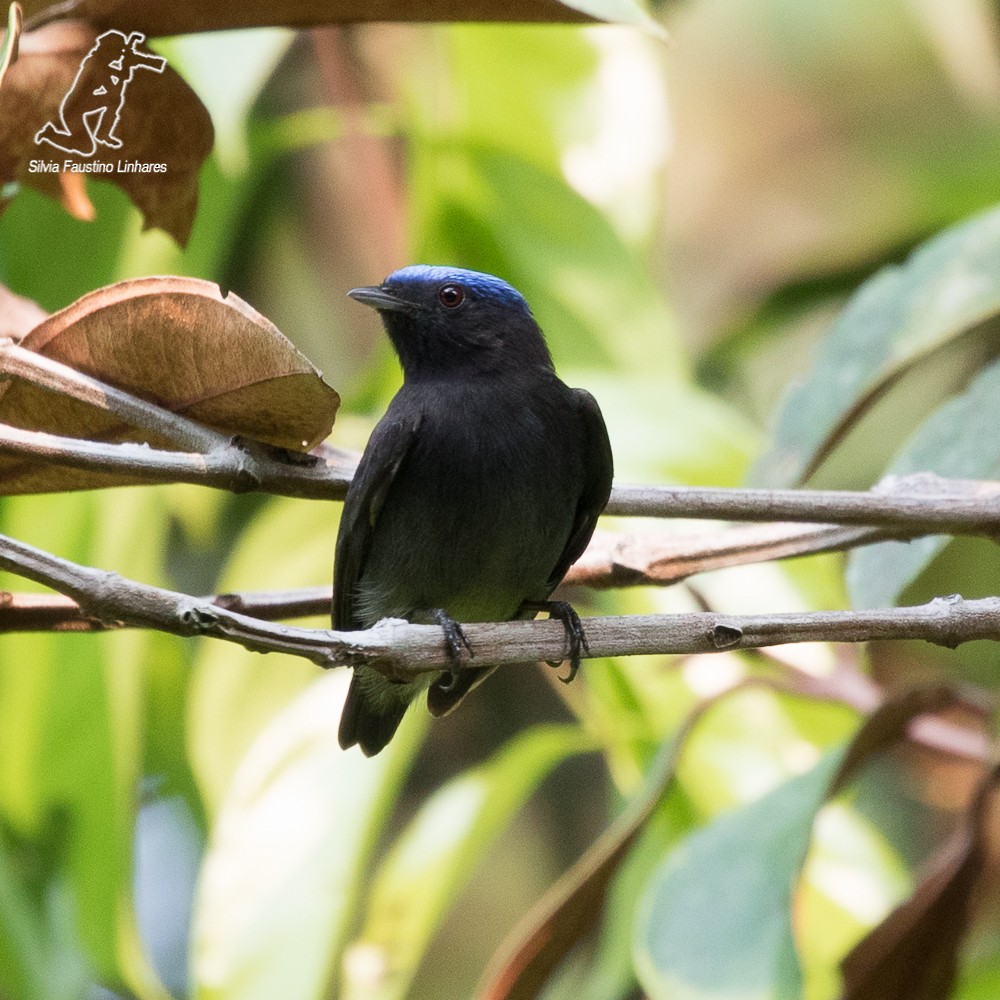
x=451, y=296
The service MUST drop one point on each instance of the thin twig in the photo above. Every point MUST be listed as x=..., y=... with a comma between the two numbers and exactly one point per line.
x=943, y=506
x=954, y=507
x=916, y=505
x=30, y=612
x=237, y=466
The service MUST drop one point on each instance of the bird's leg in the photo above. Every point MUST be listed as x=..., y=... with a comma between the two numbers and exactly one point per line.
x=575, y=638
x=454, y=639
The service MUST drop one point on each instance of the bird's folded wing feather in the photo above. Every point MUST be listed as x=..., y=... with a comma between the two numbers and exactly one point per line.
x=387, y=448
x=597, y=475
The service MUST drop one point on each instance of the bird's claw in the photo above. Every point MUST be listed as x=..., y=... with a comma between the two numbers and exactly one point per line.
x=454, y=640
x=576, y=639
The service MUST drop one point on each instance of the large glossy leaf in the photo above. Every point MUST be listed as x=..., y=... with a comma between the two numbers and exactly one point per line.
x=225, y=713
x=179, y=18
x=749, y=859
x=161, y=122
x=605, y=883
x=180, y=343
x=22, y=942
x=716, y=919
x=279, y=883
x=898, y=317
x=437, y=853
x=70, y=739
x=959, y=441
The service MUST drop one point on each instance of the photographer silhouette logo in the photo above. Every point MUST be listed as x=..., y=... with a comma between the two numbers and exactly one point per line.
x=90, y=111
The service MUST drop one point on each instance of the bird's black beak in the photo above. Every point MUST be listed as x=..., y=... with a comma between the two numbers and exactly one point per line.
x=380, y=299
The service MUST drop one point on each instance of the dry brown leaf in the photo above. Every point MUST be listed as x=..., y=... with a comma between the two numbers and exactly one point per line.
x=523, y=964
x=162, y=122
x=913, y=953
x=156, y=18
x=177, y=342
x=660, y=558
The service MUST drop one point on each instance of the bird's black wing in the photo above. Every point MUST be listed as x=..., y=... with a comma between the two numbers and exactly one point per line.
x=598, y=470
x=387, y=448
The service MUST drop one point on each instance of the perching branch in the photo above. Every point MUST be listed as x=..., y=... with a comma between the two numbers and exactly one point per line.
x=403, y=651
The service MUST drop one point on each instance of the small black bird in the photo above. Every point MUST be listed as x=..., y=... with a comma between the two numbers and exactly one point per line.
x=479, y=487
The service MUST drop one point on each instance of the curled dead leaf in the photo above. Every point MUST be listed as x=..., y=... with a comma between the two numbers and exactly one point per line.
x=164, y=131
x=913, y=953
x=177, y=342
x=188, y=16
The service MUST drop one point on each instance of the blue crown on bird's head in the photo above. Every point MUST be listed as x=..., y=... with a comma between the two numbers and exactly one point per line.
x=480, y=284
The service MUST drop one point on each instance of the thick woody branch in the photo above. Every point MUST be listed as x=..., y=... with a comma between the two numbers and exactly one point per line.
x=236, y=466
x=909, y=508
x=915, y=505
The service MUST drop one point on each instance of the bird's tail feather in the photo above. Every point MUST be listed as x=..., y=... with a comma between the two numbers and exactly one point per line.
x=372, y=714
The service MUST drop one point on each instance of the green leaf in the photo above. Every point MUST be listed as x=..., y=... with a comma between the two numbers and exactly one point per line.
x=279, y=884
x=22, y=940
x=228, y=69
x=539, y=109
x=437, y=853
x=753, y=741
x=700, y=439
x=896, y=319
x=716, y=920
x=741, y=870
x=34, y=226
x=958, y=441
x=525, y=962
x=235, y=693
x=70, y=730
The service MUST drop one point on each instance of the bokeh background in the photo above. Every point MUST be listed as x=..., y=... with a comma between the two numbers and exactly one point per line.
x=687, y=218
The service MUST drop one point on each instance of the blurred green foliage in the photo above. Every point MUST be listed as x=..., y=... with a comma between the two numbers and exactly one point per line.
x=177, y=819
